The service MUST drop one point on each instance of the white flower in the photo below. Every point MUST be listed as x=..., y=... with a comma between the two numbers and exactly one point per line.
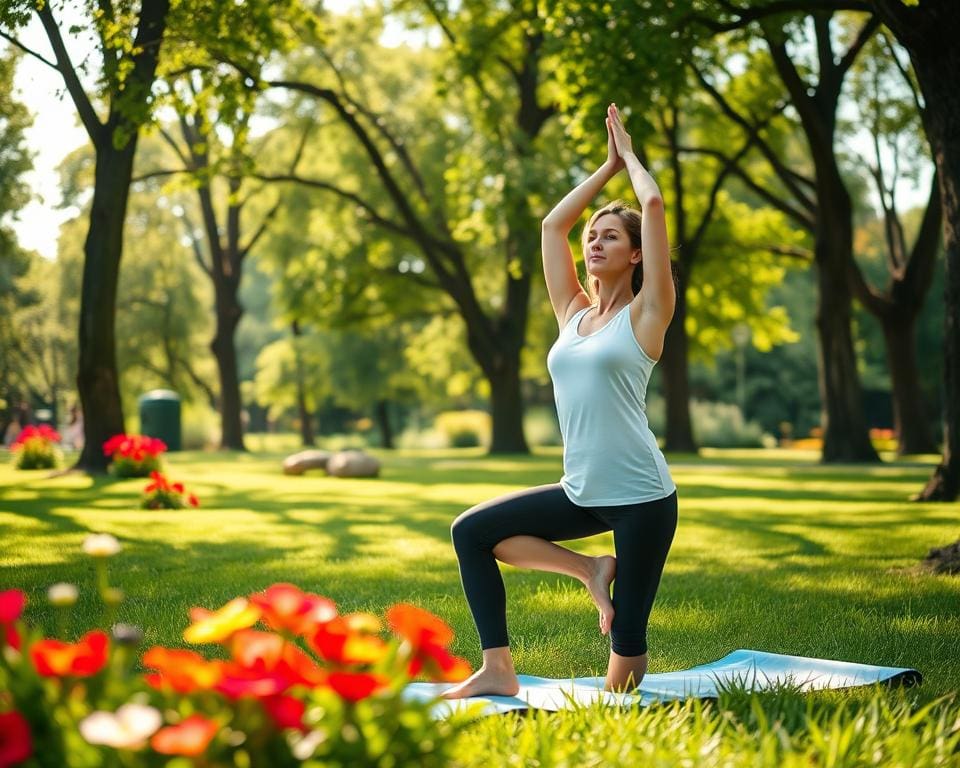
x=127, y=728
x=101, y=545
x=62, y=594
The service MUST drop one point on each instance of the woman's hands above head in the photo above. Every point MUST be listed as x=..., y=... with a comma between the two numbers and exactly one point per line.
x=618, y=134
x=614, y=160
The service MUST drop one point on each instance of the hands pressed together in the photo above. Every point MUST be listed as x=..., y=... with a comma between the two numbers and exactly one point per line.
x=619, y=144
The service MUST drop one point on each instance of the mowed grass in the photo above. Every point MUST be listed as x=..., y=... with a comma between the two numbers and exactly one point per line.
x=773, y=552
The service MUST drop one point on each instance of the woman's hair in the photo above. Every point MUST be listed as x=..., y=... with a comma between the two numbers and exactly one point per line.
x=631, y=218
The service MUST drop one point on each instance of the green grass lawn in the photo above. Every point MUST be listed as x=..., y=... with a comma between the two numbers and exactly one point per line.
x=773, y=552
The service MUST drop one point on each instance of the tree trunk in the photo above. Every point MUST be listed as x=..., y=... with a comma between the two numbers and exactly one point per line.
x=845, y=434
x=306, y=419
x=909, y=417
x=97, y=379
x=229, y=313
x=507, y=408
x=676, y=380
x=383, y=422
x=929, y=31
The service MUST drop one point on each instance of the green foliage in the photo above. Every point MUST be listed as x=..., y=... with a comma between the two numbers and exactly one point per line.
x=721, y=425
x=464, y=429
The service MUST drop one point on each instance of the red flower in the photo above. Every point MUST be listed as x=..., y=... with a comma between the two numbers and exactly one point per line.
x=53, y=658
x=43, y=432
x=135, y=447
x=11, y=605
x=286, y=607
x=285, y=711
x=343, y=641
x=190, y=737
x=193, y=501
x=15, y=744
x=265, y=664
x=354, y=686
x=12, y=636
x=183, y=671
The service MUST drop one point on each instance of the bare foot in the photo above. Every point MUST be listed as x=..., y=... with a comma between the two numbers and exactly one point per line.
x=604, y=570
x=486, y=681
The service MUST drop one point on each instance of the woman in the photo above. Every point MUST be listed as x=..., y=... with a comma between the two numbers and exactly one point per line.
x=615, y=477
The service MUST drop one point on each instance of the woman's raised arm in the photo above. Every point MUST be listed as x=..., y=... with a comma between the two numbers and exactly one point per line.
x=658, y=294
x=559, y=269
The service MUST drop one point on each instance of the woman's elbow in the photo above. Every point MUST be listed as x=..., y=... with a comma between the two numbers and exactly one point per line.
x=652, y=202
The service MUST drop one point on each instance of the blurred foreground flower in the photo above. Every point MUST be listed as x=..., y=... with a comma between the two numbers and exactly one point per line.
x=294, y=682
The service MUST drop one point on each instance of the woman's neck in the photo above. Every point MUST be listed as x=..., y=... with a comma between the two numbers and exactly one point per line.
x=613, y=297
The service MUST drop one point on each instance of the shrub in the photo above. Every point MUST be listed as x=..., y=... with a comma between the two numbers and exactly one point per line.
x=721, y=425
x=464, y=429
x=134, y=455
x=36, y=448
x=295, y=683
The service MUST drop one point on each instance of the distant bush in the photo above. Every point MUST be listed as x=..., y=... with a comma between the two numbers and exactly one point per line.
x=721, y=425
x=464, y=429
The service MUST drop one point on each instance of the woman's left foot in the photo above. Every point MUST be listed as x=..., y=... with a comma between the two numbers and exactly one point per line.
x=598, y=585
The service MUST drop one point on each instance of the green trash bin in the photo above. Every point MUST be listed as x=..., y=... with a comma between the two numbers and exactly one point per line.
x=160, y=416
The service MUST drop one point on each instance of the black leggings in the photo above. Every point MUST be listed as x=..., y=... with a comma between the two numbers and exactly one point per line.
x=642, y=534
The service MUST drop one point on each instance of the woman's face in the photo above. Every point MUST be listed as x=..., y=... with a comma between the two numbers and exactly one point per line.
x=607, y=249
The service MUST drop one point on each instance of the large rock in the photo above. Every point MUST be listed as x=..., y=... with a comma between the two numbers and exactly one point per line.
x=353, y=464
x=299, y=463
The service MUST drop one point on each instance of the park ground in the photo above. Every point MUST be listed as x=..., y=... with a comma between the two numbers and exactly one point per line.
x=774, y=551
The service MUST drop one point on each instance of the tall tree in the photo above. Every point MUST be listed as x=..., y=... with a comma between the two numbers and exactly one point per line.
x=885, y=92
x=500, y=146
x=211, y=160
x=929, y=31
x=129, y=46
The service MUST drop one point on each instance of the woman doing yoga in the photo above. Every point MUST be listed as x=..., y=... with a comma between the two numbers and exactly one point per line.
x=615, y=477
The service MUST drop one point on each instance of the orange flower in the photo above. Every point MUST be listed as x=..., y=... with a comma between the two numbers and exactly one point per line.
x=285, y=607
x=354, y=686
x=217, y=626
x=344, y=640
x=183, y=671
x=428, y=637
x=53, y=658
x=418, y=626
x=189, y=738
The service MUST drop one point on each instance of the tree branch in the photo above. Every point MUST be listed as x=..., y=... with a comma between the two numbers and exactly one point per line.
x=746, y=16
x=157, y=174
x=789, y=177
x=12, y=40
x=863, y=37
x=88, y=115
x=804, y=219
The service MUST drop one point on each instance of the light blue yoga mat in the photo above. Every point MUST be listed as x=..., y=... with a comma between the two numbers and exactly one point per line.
x=753, y=670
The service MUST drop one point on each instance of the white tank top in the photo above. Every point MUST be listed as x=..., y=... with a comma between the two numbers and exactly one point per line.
x=610, y=456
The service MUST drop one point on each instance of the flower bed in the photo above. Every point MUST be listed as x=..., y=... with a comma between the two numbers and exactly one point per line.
x=134, y=455
x=36, y=448
x=294, y=683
